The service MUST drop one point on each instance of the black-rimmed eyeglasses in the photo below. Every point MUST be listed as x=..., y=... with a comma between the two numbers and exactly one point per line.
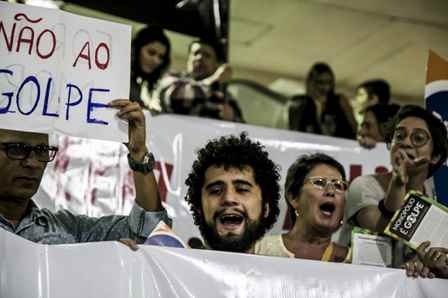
x=418, y=136
x=21, y=151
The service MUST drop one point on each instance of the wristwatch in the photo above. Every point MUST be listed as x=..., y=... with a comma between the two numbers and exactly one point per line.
x=145, y=166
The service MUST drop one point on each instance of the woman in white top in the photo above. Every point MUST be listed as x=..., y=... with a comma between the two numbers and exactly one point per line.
x=315, y=193
x=418, y=147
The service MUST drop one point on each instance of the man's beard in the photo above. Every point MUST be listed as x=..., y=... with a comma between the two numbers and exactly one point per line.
x=233, y=243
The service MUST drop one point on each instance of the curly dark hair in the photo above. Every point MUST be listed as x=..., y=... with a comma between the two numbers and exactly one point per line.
x=299, y=170
x=436, y=128
x=235, y=152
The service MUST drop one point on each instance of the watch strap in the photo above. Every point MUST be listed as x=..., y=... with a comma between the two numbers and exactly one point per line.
x=145, y=166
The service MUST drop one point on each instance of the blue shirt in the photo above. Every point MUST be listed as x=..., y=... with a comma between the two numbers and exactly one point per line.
x=63, y=227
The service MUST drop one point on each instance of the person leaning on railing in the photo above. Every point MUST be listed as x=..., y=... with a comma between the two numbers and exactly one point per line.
x=321, y=110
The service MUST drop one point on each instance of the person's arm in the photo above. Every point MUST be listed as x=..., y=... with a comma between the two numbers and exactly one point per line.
x=222, y=75
x=370, y=217
x=147, y=211
x=362, y=204
x=376, y=217
x=147, y=195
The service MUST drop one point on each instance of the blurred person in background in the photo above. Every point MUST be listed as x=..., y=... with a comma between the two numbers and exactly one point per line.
x=315, y=194
x=370, y=93
x=372, y=129
x=151, y=50
x=321, y=110
x=201, y=91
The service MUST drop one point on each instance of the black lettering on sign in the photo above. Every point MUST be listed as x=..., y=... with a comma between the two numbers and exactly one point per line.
x=409, y=217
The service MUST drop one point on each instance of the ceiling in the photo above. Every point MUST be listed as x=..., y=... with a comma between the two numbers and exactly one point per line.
x=360, y=39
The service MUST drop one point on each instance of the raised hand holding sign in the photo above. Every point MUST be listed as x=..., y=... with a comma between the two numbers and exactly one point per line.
x=58, y=71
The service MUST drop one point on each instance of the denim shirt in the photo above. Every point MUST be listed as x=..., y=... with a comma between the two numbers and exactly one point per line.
x=63, y=227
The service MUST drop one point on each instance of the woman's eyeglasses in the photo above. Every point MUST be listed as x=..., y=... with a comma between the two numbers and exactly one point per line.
x=322, y=183
x=20, y=151
x=418, y=136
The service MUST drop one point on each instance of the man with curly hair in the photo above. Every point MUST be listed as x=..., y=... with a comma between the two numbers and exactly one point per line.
x=233, y=193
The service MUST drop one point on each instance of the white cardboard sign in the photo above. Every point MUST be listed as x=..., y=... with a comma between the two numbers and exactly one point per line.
x=58, y=70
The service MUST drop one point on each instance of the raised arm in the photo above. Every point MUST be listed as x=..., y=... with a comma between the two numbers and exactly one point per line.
x=147, y=195
x=147, y=211
x=362, y=204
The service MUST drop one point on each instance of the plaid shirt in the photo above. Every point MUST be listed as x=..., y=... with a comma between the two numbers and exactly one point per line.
x=179, y=93
x=64, y=227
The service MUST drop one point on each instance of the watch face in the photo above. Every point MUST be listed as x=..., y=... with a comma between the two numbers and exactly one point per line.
x=148, y=162
x=145, y=166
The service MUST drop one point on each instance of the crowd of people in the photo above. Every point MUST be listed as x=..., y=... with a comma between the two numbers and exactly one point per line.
x=201, y=90
x=233, y=188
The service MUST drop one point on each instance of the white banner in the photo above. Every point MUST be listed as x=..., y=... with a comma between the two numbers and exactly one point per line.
x=58, y=70
x=93, y=177
x=112, y=270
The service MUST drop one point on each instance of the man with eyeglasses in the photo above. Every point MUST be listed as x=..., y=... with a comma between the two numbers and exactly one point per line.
x=233, y=193
x=23, y=159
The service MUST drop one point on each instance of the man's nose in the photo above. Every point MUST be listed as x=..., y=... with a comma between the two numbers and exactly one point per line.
x=229, y=197
x=31, y=161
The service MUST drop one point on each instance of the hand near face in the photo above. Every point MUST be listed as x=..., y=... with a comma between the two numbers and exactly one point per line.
x=399, y=167
x=132, y=112
x=403, y=163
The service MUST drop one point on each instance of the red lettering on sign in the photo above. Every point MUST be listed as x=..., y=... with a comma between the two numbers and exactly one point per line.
x=84, y=56
x=97, y=62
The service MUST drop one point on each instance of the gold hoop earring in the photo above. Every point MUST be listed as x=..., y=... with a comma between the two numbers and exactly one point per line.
x=296, y=212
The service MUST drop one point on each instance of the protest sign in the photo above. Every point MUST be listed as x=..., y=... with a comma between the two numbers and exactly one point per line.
x=93, y=177
x=371, y=248
x=59, y=70
x=110, y=269
x=436, y=100
x=420, y=219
